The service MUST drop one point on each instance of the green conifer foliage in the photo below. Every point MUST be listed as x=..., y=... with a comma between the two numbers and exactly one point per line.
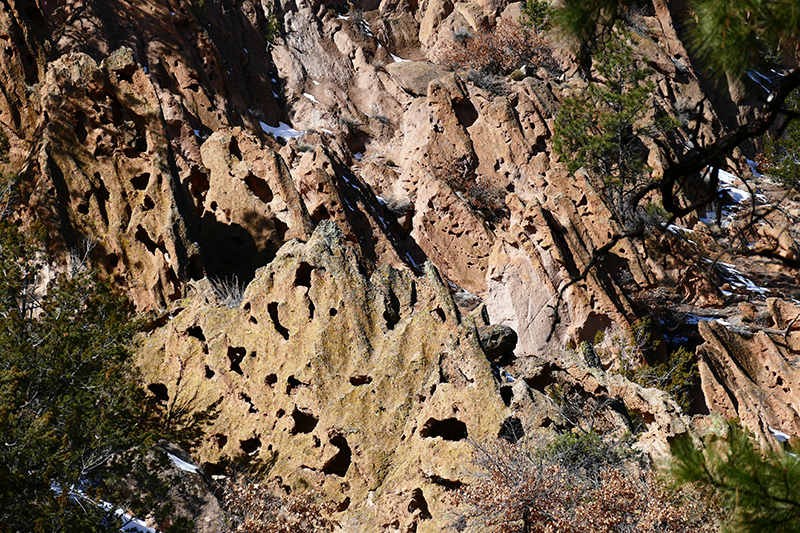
x=602, y=131
x=68, y=395
x=733, y=36
x=783, y=152
x=759, y=488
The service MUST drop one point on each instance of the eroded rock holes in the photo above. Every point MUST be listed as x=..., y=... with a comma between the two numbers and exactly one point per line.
x=418, y=503
x=197, y=333
x=259, y=187
x=303, y=422
x=511, y=430
x=272, y=309
x=250, y=446
x=160, y=391
x=451, y=429
x=360, y=380
x=236, y=356
x=339, y=463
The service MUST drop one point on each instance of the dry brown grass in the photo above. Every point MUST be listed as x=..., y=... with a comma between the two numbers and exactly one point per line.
x=254, y=507
x=506, y=47
x=517, y=491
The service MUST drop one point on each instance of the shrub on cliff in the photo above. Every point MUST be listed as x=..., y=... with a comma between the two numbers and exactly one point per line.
x=255, y=507
x=506, y=47
x=520, y=488
x=73, y=420
x=782, y=153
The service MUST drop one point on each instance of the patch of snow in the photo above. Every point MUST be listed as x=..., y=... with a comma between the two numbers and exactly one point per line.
x=738, y=280
x=315, y=82
x=723, y=322
x=358, y=156
x=311, y=97
x=245, y=50
x=678, y=230
x=693, y=319
x=183, y=465
x=197, y=133
x=738, y=195
x=129, y=522
x=283, y=130
x=760, y=79
x=323, y=130
x=343, y=17
x=779, y=435
x=398, y=59
x=276, y=95
x=144, y=69
x=754, y=168
x=273, y=80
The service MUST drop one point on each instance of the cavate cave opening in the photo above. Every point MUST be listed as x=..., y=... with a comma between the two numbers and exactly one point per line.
x=418, y=503
x=272, y=309
x=259, y=188
x=236, y=356
x=391, y=314
x=196, y=332
x=360, y=380
x=250, y=446
x=302, y=276
x=303, y=422
x=339, y=463
x=511, y=430
x=451, y=429
x=160, y=391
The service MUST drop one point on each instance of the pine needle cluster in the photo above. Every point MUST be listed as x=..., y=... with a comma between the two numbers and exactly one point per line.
x=758, y=487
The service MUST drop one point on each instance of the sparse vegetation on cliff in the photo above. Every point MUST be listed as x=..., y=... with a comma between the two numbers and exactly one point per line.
x=523, y=487
x=507, y=46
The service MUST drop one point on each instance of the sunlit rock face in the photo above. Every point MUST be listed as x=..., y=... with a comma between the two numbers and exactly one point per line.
x=319, y=171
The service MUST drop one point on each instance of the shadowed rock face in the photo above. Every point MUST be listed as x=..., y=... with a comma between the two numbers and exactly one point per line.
x=160, y=133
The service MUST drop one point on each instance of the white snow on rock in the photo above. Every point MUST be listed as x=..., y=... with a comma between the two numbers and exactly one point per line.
x=729, y=180
x=779, y=435
x=183, y=465
x=283, y=130
x=311, y=97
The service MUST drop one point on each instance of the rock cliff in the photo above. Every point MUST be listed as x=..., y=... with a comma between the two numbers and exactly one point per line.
x=321, y=169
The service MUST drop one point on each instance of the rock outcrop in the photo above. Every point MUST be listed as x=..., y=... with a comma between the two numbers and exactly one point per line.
x=376, y=210
x=365, y=387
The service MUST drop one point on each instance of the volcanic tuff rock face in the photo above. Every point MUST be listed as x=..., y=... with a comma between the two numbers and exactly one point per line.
x=159, y=131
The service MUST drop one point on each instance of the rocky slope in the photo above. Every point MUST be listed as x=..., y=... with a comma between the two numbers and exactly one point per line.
x=328, y=176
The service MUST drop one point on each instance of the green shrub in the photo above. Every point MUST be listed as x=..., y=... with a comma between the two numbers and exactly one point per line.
x=782, y=154
x=536, y=14
x=602, y=130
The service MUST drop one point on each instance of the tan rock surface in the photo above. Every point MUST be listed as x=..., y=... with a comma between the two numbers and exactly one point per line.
x=365, y=388
x=144, y=128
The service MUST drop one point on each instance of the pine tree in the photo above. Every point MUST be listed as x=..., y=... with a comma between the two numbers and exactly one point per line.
x=602, y=131
x=733, y=36
x=759, y=488
x=783, y=152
